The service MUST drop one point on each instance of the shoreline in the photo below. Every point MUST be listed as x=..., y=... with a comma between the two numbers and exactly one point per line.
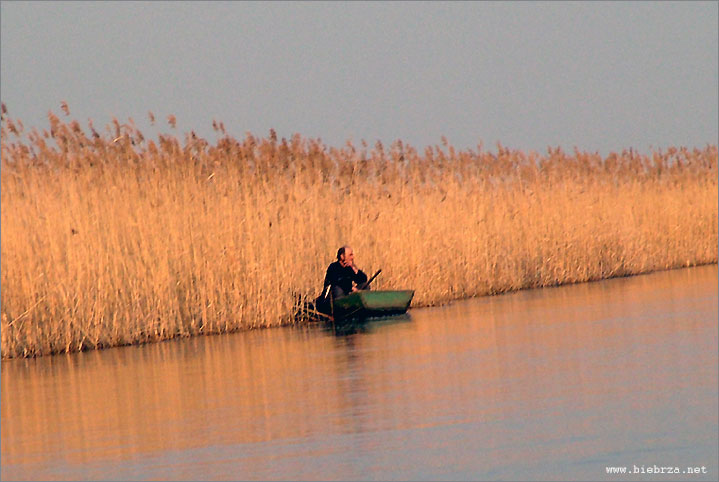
x=306, y=323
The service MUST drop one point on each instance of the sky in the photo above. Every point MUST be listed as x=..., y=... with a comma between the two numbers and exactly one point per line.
x=597, y=76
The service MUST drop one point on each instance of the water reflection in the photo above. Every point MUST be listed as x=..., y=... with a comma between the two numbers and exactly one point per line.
x=369, y=325
x=553, y=383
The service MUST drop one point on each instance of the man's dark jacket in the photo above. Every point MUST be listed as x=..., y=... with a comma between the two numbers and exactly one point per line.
x=343, y=277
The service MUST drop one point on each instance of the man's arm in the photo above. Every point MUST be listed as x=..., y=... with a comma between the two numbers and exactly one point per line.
x=360, y=277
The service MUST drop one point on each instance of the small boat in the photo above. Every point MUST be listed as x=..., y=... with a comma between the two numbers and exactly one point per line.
x=370, y=304
x=359, y=305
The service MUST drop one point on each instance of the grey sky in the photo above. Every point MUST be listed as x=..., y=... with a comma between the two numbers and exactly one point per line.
x=599, y=76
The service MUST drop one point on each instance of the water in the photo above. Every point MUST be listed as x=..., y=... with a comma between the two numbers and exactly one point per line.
x=550, y=384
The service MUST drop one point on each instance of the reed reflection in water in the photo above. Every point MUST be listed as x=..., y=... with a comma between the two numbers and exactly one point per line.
x=555, y=383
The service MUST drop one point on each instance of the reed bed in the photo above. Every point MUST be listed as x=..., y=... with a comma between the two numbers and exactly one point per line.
x=113, y=239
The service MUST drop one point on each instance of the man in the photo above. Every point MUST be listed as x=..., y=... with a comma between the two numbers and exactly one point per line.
x=343, y=277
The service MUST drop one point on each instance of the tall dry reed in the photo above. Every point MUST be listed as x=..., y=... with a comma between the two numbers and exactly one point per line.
x=111, y=239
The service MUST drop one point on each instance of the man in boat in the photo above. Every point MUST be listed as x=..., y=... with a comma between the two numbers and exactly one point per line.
x=342, y=277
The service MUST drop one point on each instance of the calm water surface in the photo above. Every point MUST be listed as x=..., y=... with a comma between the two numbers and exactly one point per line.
x=550, y=384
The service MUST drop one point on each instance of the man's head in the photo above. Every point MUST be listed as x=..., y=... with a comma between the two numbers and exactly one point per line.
x=345, y=255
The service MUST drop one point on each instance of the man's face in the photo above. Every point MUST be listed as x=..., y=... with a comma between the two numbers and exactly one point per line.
x=348, y=258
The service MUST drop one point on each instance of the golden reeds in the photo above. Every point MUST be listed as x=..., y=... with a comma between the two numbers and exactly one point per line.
x=117, y=239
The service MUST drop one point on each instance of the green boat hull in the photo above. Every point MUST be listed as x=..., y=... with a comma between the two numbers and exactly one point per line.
x=370, y=304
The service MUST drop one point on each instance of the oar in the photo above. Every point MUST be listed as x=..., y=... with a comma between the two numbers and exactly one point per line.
x=319, y=314
x=365, y=285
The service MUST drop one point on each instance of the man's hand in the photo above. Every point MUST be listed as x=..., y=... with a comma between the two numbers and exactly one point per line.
x=344, y=263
